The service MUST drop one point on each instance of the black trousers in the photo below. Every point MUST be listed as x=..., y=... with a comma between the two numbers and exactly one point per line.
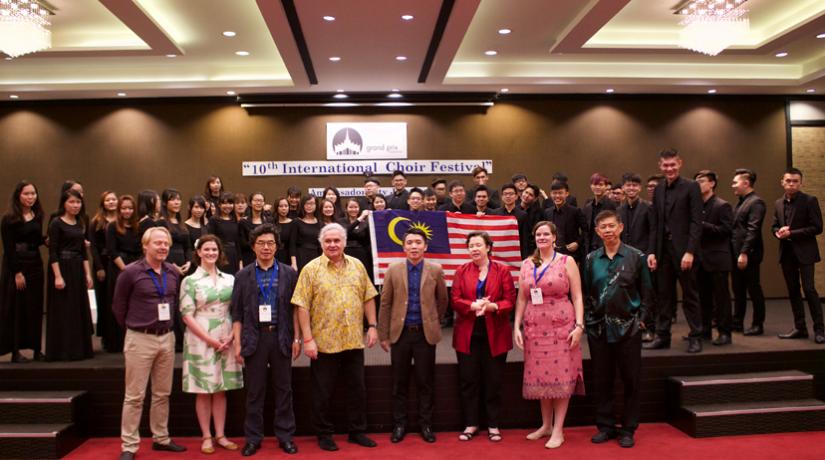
x=714, y=296
x=324, y=373
x=669, y=272
x=747, y=282
x=268, y=361
x=412, y=346
x=793, y=271
x=480, y=373
x=626, y=355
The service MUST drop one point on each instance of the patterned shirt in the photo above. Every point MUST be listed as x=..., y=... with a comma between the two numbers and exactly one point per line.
x=616, y=292
x=199, y=296
x=334, y=297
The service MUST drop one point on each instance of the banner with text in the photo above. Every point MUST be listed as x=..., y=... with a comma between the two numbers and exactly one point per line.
x=362, y=167
x=361, y=141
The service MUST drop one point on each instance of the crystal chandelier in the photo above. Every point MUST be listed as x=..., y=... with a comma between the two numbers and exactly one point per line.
x=24, y=27
x=710, y=26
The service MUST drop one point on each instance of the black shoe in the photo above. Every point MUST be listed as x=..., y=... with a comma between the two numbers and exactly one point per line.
x=603, y=436
x=126, y=456
x=326, y=443
x=754, y=330
x=361, y=439
x=737, y=328
x=18, y=358
x=249, y=449
x=819, y=338
x=722, y=339
x=626, y=440
x=398, y=433
x=171, y=447
x=289, y=447
x=427, y=434
x=794, y=334
x=657, y=344
x=694, y=346
x=648, y=336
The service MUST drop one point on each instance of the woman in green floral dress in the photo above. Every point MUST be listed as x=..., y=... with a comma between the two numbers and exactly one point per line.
x=209, y=366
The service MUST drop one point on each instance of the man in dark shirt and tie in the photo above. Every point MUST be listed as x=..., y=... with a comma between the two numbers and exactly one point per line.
x=413, y=299
x=748, y=250
x=797, y=220
x=617, y=289
x=146, y=295
x=264, y=325
x=398, y=198
x=569, y=221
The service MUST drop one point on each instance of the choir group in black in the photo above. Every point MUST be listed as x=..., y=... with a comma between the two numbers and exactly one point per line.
x=686, y=233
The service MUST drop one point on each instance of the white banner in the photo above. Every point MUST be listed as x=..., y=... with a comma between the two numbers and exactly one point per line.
x=361, y=167
x=350, y=191
x=361, y=141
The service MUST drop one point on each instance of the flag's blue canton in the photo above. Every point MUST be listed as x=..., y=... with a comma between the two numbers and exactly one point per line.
x=439, y=242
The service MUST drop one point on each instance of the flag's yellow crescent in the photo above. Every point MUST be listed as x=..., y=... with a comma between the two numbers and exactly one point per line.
x=391, y=230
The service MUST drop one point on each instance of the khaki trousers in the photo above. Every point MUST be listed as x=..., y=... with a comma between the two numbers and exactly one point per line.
x=147, y=356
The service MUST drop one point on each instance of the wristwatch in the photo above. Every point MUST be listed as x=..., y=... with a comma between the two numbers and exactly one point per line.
x=580, y=325
x=372, y=325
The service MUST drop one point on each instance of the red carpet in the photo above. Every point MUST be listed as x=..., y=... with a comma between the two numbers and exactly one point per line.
x=652, y=441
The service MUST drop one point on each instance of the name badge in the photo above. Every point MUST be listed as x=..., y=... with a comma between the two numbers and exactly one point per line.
x=265, y=313
x=164, y=313
x=535, y=296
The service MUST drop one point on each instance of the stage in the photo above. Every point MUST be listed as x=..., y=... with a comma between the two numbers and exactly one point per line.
x=102, y=379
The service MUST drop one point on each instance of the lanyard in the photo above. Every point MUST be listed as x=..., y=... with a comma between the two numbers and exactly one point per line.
x=540, y=276
x=266, y=293
x=161, y=290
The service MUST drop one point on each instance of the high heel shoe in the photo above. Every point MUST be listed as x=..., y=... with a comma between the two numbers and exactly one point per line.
x=554, y=443
x=538, y=434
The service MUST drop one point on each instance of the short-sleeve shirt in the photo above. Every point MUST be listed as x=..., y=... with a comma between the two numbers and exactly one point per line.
x=334, y=298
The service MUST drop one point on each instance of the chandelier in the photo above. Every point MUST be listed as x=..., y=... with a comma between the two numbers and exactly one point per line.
x=24, y=27
x=710, y=26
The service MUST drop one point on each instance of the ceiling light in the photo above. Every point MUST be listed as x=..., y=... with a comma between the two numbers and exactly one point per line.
x=395, y=95
x=407, y=17
x=394, y=104
x=242, y=53
x=231, y=93
x=13, y=96
x=401, y=58
x=335, y=58
x=820, y=36
x=491, y=52
x=229, y=33
x=340, y=96
x=711, y=91
x=782, y=54
x=609, y=90
x=121, y=94
x=810, y=90
x=339, y=90
x=340, y=104
x=171, y=55
x=709, y=27
x=505, y=90
x=395, y=90
x=504, y=31
x=329, y=18
x=24, y=27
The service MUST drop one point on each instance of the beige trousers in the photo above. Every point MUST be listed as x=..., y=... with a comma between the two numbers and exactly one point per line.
x=147, y=356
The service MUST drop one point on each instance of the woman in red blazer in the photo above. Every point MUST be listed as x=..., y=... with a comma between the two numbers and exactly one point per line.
x=483, y=295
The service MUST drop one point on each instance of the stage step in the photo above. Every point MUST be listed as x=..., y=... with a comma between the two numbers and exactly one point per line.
x=38, y=424
x=752, y=403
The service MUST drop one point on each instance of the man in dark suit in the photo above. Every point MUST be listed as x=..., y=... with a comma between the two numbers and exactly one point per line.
x=533, y=214
x=600, y=202
x=372, y=186
x=748, y=250
x=674, y=240
x=439, y=187
x=569, y=221
x=264, y=326
x=715, y=259
x=635, y=213
x=458, y=200
x=412, y=302
x=481, y=177
x=398, y=198
x=797, y=220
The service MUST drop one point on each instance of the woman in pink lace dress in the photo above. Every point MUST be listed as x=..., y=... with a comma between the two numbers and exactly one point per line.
x=549, y=328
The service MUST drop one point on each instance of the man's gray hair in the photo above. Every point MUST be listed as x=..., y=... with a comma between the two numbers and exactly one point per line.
x=332, y=228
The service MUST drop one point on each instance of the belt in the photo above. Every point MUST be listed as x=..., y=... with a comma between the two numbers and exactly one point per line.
x=269, y=328
x=68, y=255
x=414, y=328
x=151, y=330
x=25, y=247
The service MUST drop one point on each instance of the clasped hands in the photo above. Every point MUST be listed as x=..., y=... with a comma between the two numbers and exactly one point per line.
x=483, y=305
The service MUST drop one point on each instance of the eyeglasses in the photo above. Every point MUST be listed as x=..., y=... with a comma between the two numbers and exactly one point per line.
x=265, y=244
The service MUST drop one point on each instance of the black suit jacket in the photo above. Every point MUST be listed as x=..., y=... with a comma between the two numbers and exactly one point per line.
x=683, y=217
x=398, y=201
x=717, y=225
x=570, y=226
x=747, y=228
x=244, y=308
x=466, y=207
x=637, y=234
x=805, y=223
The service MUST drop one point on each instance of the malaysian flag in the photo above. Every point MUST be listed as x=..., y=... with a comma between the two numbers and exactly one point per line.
x=447, y=242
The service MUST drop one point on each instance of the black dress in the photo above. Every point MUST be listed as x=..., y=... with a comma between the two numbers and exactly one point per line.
x=194, y=235
x=127, y=247
x=68, y=319
x=284, y=255
x=181, y=250
x=303, y=244
x=147, y=223
x=245, y=227
x=21, y=312
x=358, y=242
x=229, y=233
x=100, y=261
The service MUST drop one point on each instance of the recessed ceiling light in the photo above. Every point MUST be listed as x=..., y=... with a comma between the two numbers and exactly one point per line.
x=329, y=18
x=13, y=96
x=395, y=90
x=242, y=53
x=609, y=90
x=339, y=90
x=505, y=90
x=335, y=58
x=711, y=91
x=782, y=54
x=171, y=55
x=395, y=95
x=820, y=36
x=810, y=90
x=491, y=52
x=340, y=96
x=229, y=33
x=401, y=58
x=121, y=94
x=504, y=31
x=231, y=93
x=407, y=17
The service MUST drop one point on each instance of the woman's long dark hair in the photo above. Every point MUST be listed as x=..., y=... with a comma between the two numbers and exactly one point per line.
x=339, y=206
x=201, y=201
x=121, y=223
x=170, y=194
x=147, y=201
x=15, y=212
x=99, y=221
x=317, y=214
x=207, y=192
x=61, y=210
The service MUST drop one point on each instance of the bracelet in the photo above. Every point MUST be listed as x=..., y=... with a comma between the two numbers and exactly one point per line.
x=372, y=325
x=580, y=325
x=297, y=341
x=306, y=341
